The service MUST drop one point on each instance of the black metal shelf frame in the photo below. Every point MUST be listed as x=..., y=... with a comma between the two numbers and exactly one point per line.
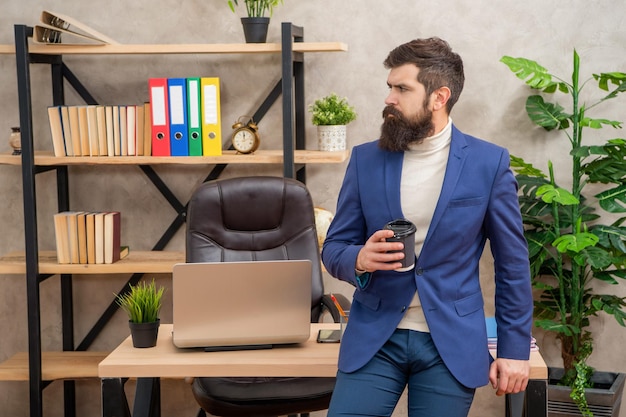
x=291, y=87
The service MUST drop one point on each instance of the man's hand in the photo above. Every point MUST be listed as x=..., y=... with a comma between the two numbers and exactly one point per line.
x=374, y=255
x=509, y=376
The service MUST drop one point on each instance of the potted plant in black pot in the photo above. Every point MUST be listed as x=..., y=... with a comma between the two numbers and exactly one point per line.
x=571, y=244
x=142, y=303
x=255, y=25
x=331, y=114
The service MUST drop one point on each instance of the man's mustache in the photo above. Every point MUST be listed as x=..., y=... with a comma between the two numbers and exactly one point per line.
x=392, y=111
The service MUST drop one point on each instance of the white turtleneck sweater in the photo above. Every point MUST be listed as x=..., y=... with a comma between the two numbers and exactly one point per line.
x=423, y=170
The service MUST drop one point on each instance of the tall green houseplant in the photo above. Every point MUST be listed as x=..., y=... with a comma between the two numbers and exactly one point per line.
x=571, y=245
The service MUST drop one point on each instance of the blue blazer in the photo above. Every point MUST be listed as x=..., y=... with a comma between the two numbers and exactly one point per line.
x=478, y=201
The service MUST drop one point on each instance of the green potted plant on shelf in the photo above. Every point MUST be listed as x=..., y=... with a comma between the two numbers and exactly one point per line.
x=331, y=114
x=572, y=247
x=142, y=303
x=256, y=23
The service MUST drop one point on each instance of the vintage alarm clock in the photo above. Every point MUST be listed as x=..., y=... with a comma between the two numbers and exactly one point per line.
x=245, y=137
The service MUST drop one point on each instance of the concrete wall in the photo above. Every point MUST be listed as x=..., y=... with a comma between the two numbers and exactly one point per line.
x=490, y=107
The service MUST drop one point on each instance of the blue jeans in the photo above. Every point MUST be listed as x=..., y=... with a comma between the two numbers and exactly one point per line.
x=408, y=357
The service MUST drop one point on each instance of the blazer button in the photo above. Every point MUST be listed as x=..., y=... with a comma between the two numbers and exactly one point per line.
x=403, y=309
x=419, y=271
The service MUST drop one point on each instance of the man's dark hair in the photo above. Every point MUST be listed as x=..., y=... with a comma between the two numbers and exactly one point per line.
x=438, y=65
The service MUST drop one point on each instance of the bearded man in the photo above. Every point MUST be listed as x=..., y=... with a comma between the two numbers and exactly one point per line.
x=424, y=328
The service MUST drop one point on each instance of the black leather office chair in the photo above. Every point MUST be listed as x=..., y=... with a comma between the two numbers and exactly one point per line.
x=259, y=218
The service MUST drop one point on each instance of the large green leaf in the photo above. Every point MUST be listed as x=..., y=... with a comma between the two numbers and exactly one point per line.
x=610, y=166
x=615, y=78
x=552, y=326
x=550, y=193
x=613, y=200
x=521, y=167
x=530, y=71
x=575, y=242
x=610, y=236
x=547, y=115
x=595, y=257
x=597, y=123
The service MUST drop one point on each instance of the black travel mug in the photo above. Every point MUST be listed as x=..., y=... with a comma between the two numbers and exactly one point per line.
x=404, y=231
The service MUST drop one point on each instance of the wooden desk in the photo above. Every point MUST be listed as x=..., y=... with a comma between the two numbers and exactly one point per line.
x=307, y=359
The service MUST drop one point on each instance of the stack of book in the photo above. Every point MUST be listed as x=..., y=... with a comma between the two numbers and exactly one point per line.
x=492, y=335
x=88, y=237
x=96, y=130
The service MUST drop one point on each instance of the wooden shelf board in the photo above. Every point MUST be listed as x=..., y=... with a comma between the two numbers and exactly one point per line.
x=138, y=49
x=47, y=158
x=7, y=49
x=55, y=365
x=136, y=262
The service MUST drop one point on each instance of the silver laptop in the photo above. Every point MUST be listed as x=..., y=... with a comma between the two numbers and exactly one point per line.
x=241, y=305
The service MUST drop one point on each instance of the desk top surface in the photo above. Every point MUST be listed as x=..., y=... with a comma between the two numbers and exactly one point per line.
x=306, y=359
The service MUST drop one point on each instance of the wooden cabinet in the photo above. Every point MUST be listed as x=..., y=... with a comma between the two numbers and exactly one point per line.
x=36, y=265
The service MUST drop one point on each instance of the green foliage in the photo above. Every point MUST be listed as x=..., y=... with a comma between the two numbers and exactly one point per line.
x=256, y=8
x=332, y=110
x=569, y=246
x=142, y=303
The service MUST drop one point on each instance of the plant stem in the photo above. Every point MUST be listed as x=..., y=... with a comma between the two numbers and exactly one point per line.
x=577, y=115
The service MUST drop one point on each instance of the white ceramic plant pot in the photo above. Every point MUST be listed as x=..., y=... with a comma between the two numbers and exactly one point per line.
x=331, y=138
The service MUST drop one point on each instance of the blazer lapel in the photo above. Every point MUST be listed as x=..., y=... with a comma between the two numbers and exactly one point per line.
x=456, y=159
x=393, y=173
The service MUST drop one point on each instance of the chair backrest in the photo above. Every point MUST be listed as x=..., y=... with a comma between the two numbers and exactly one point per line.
x=254, y=218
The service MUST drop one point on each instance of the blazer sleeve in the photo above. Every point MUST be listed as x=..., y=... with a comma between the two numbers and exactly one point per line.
x=513, y=294
x=347, y=232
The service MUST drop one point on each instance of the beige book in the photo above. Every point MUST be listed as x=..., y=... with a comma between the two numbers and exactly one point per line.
x=108, y=112
x=123, y=132
x=81, y=232
x=139, y=124
x=116, y=131
x=102, y=131
x=90, y=228
x=112, y=237
x=147, y=130
x=75, y=129
x=56, y=130
x=131, y=130
x=67, y=132
x=72, y=221
x=99, y=236
x=92, y=128
x=61, y=229
x=83, y=128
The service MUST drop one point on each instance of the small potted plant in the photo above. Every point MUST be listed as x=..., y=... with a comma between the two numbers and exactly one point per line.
x=142, y=303
x=331, y=114
x=256, y=24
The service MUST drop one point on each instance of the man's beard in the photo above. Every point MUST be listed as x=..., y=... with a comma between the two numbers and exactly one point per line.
x=398, y=132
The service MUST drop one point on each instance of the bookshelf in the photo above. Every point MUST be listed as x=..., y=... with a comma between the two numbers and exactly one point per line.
x=37, y=266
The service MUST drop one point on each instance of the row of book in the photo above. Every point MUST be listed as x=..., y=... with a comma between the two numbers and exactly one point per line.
x=182, y=118
x=97, y=130
x=186, y=116
x=88, y=237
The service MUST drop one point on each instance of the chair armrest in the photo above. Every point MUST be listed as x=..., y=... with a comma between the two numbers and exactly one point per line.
x=329, y=304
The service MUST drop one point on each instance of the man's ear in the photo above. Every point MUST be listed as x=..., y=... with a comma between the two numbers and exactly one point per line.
x=440, y=98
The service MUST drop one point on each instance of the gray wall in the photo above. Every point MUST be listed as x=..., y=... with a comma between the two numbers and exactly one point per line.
x=490, y=107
